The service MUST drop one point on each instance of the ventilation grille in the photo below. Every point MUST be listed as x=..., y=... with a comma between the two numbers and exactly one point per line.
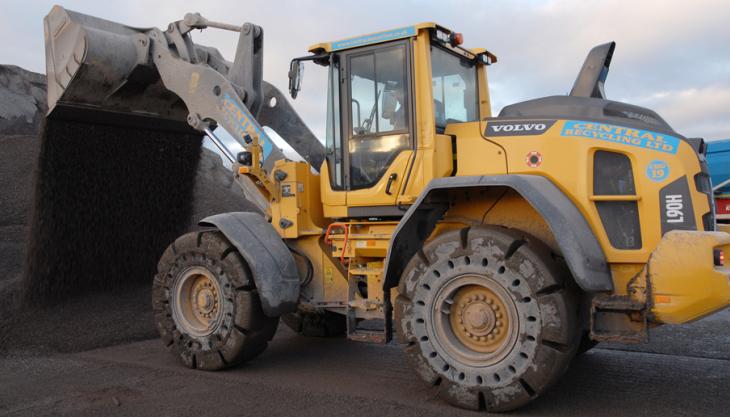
x=613, y=177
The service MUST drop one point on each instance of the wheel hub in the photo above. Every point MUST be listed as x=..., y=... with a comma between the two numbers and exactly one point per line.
x=476, y=316
x=205, y=298
x=476, y=319
x=196, y=302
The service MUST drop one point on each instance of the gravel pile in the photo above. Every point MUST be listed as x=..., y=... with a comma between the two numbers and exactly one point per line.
x=85, y=213
x=22, y=100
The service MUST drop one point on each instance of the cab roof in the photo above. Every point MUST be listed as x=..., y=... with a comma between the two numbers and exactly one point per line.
x=372, y=38
x=385, y=36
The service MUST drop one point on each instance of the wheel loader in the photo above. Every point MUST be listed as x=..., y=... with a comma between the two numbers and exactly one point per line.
x=492, y=248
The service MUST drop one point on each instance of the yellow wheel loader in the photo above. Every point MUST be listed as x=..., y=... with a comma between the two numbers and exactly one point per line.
x=492, y=248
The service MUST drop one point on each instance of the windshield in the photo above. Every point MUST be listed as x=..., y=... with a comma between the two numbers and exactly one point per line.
x=454, y=81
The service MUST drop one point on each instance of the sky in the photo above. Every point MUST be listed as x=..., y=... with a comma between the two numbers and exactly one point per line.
x=671, y=56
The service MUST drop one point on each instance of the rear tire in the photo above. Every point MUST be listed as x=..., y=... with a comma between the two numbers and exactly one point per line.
x=488, y=315
x=206, y=306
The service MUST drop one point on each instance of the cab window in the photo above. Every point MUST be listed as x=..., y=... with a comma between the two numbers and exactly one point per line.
x=454, y=81
x=379, y=112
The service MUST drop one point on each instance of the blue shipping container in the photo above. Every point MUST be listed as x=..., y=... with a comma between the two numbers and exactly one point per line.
x=718, y=160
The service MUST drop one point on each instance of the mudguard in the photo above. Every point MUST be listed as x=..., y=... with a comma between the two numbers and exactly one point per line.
x=272, y=264
x=578, y=244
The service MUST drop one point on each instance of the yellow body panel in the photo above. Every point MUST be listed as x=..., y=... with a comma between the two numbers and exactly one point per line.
x=376, y=195
x=568, y=163
x=499, y=206
x=474, y=154
x=328, y=288
x=333, y=201
x=684, y=283
x=297, y=200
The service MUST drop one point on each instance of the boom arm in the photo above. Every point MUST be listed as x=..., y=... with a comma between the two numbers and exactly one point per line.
x=209, y=97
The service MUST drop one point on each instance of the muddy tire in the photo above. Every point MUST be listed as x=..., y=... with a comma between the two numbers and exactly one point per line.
x=205, y=303
x=320, y=324
x=489, y=316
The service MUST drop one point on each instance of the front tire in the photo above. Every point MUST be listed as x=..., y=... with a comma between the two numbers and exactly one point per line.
x=206, y=306
x=488, y=315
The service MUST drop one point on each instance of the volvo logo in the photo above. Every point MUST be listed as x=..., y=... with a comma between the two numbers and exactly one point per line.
x=521, y=128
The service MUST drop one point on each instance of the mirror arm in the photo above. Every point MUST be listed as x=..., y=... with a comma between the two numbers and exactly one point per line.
x=295, y=72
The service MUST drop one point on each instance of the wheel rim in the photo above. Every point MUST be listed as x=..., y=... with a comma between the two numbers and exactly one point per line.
x=475, y=320
x=196, y=302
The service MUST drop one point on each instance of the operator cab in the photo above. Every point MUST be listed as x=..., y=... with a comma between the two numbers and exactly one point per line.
x=378, y=121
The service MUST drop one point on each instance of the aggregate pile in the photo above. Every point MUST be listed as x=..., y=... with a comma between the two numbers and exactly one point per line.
x=22, y=100
x=88, y=210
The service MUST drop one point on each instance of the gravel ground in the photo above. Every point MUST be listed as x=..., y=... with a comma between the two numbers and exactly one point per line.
x=81, y=323
x=322, y=377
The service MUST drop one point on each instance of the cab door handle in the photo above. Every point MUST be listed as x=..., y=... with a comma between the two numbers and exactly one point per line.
x=391, y=180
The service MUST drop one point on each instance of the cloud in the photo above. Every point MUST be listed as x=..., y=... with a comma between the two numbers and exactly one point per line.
x=666, y=49
x=703, y=111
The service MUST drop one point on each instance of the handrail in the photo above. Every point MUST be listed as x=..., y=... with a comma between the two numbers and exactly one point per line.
x=328, y=239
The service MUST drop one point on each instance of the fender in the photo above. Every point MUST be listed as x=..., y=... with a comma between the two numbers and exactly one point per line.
x=578, y=244
x=272, y=264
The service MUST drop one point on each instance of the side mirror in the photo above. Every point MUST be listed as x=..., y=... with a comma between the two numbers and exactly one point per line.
x=295, y=78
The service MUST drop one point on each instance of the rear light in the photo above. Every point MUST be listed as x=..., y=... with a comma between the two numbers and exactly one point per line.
x=719, y=257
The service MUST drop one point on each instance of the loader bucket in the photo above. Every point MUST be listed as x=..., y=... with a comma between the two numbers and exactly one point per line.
x=100, y=71
x=116, y=171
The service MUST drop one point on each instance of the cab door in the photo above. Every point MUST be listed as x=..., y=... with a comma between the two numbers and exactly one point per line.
x=376, y=129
